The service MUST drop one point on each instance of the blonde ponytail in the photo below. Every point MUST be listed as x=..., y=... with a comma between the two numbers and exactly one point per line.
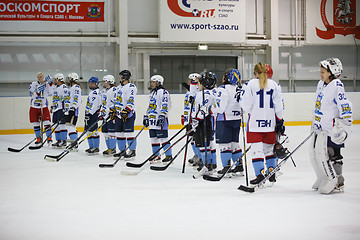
x=261, y=69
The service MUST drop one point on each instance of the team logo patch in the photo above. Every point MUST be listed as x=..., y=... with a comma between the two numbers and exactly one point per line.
x=94, y=11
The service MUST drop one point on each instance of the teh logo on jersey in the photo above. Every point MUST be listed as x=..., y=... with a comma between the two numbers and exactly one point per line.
x=178, y=10
x=344, y=19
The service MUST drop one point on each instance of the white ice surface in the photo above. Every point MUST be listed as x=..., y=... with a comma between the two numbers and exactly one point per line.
x=75, y=199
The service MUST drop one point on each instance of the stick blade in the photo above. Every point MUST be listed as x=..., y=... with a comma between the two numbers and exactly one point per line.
x=159, y=168
x=36, y=147
x=51, y=158
x=246, y=189
x=135, y=165
x=14, y=150
x=105, y=165
x=211, y=178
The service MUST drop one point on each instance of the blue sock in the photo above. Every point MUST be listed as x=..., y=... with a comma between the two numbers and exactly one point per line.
x=37, y=131
x=63, y=135
x=236, y=155
x=96, y=142
x=270, y=162
x=258, y=164
x=133, y=145
x=169, y=152
x=107, y=141
x=121, y=143
x=90, y=142
x=73, y=136
x=112, y=143
x=225, y=157
x=155, y=147
x=58, y=136
x=48, y=132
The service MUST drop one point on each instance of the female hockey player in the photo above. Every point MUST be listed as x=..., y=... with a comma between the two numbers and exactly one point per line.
x=72, y=105
x=192, y=87
x=39, y=112
x=57, y=109
x=108, y=102
x=203, y=122
x=228, y=121
x=332, y=122
x=262, y=99
x=156, y=116
x=125, y=112
x=92, y=108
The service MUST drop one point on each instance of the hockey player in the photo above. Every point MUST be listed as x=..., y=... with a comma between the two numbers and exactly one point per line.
x=192, y=87
x=202, y=118
x=72, y=105
x=262, y=99
x=156, y=116
x=125, y=112
x=332, y=122
x=228, y=121
x=39, y=112
x=57, y=109
x=108, y=102
x=92, y=108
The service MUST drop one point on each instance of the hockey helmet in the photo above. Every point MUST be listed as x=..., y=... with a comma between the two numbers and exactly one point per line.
x=208, y=80
x=94, y=80
x=73, y=77
x=125, y=74
x=59, y=77
x=333, y=65
x=234, y=77
x=269, y=71
x=194, y=76
x=109, y=79
x=157, y=78
x=279, y=151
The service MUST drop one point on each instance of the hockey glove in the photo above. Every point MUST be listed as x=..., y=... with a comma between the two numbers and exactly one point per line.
x=40, y=88
x=87, y=119
x=339, y=133
x=280, y=128
x=124, y=114
x=49, y=79
x=161, y=120
x=191, y=99
x=194, y=124
x=146, y=121
x=112, y=114
x=204, y=110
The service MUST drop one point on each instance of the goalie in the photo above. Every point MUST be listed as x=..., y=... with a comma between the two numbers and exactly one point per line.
x=331, y=123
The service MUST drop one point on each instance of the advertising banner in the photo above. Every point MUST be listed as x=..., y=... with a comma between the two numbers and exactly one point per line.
x=66, y=11
x=202, y=20
x=332, y=21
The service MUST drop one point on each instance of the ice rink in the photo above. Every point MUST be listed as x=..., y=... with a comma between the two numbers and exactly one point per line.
x=75, y=199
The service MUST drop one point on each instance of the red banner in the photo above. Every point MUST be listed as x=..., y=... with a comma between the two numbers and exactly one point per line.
x=12, y=10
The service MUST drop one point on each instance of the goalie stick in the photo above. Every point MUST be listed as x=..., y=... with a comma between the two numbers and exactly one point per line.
x=19, y=150
x=111, y=165
x=218, y=178
x=163, y=168
x=139, y=165
x=57, y=158
x=252, y=189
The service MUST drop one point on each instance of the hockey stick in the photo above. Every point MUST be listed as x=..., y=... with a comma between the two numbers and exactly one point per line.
x=57, y=158
x=163, y=168
x=111, y=165
x=47, y=139
x=252, y=189
x=138, y=165
x=19, y=150
x=187, y=139
x=218, y=178
x=245, y=160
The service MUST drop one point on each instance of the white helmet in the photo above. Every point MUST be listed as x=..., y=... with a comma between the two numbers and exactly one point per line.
x=157, y=78
x=73, y=77
x=59, y=77
x=193, y=76
x=109, y=79
x=333, y=65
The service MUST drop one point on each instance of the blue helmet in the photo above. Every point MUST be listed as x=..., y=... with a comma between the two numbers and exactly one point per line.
x=94, y=80
x=234, y=77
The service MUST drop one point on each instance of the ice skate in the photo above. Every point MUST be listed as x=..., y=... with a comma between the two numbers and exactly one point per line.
x=225, y=170
x=130, y=156
x=238, y=170
x=120, y=154
x=167, y=159
x=109, y=152
x=93, y=151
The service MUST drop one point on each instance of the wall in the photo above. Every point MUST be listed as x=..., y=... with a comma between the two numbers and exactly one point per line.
x=298, y=107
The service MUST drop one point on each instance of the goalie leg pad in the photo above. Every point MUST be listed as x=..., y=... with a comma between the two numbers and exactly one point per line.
x=329, y=178
x=314, y=163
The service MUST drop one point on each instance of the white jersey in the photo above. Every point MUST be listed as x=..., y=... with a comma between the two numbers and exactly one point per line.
x=159, y=104
x=187, y=105
x=39, y=100
x=208, y=105
x=59, y=94
x=263, y=105
x=73, y=99
x=93, y=102
x=228, y=105
x=331, y=102
x=125, y=98
x=108, y=101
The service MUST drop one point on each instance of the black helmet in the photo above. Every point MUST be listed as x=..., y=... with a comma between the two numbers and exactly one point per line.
x=125, y=74
x=208, y=80
x=279, y=151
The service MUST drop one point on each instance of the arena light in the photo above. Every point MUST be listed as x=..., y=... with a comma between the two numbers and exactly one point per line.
x=202, y=47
